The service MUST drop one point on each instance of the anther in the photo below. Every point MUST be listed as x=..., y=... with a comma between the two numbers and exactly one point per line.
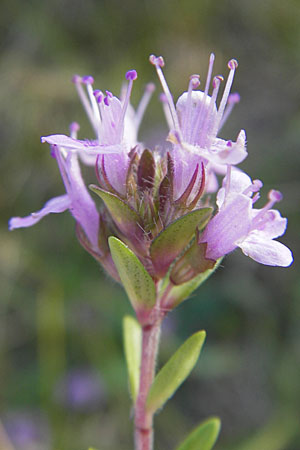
x=217, y=81
x=87, y=79
x=98, y=95
x=76, y=79
x=257, y=185
x=131, y=75
x=109, y=94
x=274, y=196
x=150, y=87
x=106, y=100
x=195, y=81
x=233, y=98
x=233, y=64
x=254, y=187
x=74, y=127
x=163, y=98
x=157, y=60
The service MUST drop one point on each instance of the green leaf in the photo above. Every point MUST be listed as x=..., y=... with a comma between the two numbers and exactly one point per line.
x=180, y=293
x=203, y=437
x=173, y=239
x=132, y=336
x=137, y=282
x=174, y=372
x=126, y=218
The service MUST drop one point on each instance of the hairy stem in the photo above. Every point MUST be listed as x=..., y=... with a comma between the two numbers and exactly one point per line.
x=143, y=420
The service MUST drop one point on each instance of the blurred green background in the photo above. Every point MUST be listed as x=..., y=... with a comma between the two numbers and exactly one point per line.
x=63, y=382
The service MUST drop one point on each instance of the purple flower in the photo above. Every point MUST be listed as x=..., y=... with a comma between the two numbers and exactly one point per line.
x=27, y=430
x=195, y=123
x=115, y=124
x=77, y=198
x=80, y=389
x=238, y=224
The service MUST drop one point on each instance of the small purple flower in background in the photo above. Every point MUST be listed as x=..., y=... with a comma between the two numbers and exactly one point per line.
x=80, y=390
x=27, y=431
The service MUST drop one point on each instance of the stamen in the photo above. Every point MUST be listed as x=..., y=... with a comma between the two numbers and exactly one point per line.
x=233, y=99
x=201, y=106
x=193, y=84
x=274, y=197
x=74, y=127
x=166, y=109
x=254, y=187
x=99, y=96
x=228, y=180
x=255, y=198
x=209, y=72
x=149, y=89
x=204, y=129
x=131, y=75
x=77, y=80
x=232, y=65
x=158, y=62
x=88, y=80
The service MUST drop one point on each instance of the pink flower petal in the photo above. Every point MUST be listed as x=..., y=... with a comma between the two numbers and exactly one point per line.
x=55, y=205
x=268, y=252
x=91, y=147
x=273, y=224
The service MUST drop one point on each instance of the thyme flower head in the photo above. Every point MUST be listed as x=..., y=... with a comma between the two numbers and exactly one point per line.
x=147, y=194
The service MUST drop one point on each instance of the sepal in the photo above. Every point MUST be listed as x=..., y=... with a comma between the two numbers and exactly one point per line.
x=180, y=293
x=166, y=189
x=174, y=372
x=146, y=171
x=175, y=237
x=203, y=437
x=137, y=282
x=191, y=263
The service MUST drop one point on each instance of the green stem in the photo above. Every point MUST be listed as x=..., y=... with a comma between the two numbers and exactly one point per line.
x=144, y=420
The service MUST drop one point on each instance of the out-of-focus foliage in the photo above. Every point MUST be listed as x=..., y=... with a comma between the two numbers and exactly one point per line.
x=59, y=313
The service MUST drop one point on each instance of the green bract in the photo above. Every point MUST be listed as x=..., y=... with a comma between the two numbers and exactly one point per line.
x=137, y=282
x=125, y=218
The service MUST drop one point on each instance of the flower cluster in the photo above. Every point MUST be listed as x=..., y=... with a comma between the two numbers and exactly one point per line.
x=159, y=203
